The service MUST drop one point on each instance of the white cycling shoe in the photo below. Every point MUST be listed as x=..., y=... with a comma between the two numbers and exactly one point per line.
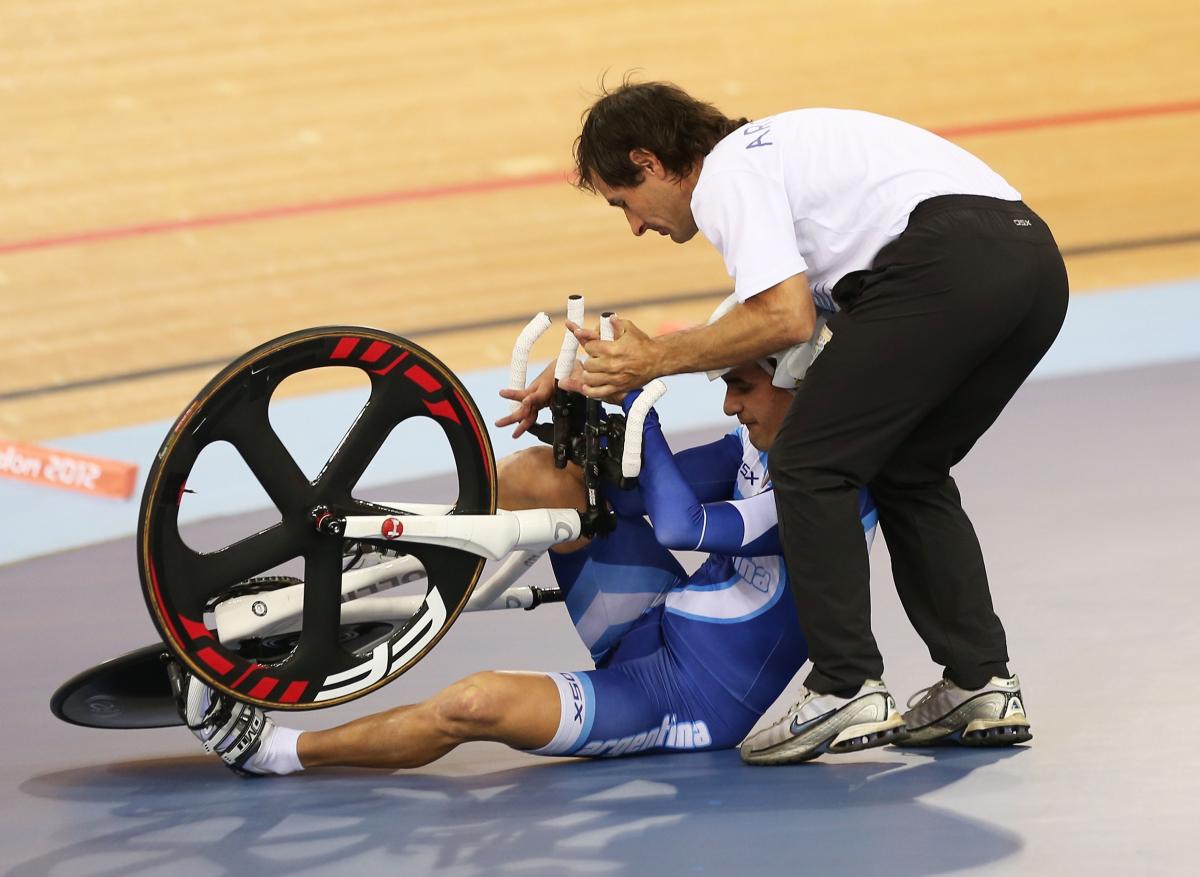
x=228, y=728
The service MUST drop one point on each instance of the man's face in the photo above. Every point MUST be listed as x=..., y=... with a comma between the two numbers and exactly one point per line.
x=660, y=203
x=756, y=402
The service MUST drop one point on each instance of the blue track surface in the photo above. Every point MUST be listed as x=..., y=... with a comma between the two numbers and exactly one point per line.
x=1081, y=494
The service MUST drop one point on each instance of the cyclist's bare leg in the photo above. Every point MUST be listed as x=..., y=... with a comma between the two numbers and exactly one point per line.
x=519, y=709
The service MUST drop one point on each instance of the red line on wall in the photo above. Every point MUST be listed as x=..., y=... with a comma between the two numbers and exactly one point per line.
x=1064, y=120
x=477, y=187
x=267, y=213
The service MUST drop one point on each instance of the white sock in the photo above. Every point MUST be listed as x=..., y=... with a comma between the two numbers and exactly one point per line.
x=277, y=754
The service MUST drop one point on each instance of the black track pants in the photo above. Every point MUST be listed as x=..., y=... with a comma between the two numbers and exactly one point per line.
x=928, y=348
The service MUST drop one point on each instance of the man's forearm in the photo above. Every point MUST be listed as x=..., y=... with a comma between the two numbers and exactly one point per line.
x=773, y=320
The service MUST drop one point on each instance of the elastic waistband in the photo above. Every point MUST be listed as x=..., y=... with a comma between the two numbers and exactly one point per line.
x=941, y=203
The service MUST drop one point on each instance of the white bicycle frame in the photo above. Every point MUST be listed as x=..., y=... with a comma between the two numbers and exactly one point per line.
x=518, y=537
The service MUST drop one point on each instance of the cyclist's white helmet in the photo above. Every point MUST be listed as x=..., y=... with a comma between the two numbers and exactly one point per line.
x=786, y=367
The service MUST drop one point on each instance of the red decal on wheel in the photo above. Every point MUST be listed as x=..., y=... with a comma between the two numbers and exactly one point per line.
x=393, y=528
x=344, y=348
x=158, y=599
x=442, y=409
x=292, y=693
x=214, y=659
x=242, y=678
x=194, y=629
x=391, y=365
x=263, y=688
x=376, y=350
x=422, y=379
x=483, y=451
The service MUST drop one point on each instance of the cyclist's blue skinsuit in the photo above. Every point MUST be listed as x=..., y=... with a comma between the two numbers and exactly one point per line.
x=682, y=662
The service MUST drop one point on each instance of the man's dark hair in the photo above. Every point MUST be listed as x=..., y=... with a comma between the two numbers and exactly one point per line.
x=656, y=116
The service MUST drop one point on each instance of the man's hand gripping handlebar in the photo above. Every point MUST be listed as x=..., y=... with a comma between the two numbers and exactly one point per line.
x=606, y=447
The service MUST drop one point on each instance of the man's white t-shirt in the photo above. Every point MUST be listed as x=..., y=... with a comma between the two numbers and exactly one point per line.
x=821, y=191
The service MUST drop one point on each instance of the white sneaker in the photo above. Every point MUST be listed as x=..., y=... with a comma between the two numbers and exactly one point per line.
x=990, y=716
x=826, y=722
x=232, y=730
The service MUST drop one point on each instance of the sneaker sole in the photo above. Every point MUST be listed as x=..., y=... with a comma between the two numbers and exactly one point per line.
x=980, y=732
x=1004, y=732
x=870, y=736
x=865, y=735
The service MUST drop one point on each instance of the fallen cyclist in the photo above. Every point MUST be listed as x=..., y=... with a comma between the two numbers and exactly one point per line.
x=682, y=662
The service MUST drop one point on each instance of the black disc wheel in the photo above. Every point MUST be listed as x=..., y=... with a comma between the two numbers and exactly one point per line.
x=322, y=666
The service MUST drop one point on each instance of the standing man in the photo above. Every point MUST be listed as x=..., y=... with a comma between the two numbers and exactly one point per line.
x=947, y=291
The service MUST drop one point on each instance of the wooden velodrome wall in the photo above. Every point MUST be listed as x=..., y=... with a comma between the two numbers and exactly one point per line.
x=180, y=181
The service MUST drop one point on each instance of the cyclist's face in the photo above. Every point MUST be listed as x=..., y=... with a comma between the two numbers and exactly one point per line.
x=756, y=402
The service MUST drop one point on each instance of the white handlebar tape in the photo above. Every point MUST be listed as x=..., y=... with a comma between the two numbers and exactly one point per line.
x=570, y=345
x=631, y=458
x=520, y=355
x=606, y=326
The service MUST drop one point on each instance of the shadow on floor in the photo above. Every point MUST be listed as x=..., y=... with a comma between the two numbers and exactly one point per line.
x=553, y=818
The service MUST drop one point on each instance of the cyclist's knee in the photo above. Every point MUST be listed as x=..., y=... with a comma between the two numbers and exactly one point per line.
x=529, y=480
x=470, y=708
